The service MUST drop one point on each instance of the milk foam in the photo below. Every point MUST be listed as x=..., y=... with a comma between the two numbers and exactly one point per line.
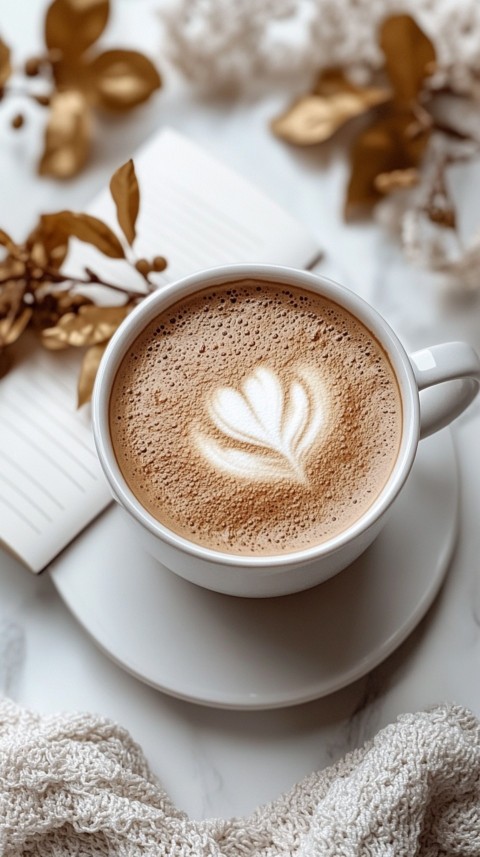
x=255, y=418
x=276, y=421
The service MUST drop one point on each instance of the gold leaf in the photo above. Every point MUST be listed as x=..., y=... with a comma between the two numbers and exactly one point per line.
x=88, y=372
x=126, y=195
x=71, y=73
x=123, y=79
x=395, y=142
x=53, y=344
x=316, y=117
x=6, y=241
x=5, y=65
x=72, y=26
x=4, y=362
x=51, y=305
x=47, y=245
x=12, y=329
x=396, y=180
x=91, y=325
x=445, y=217
x=66, y=301
x=332, y=81
x=409, y=56
x=86, y=228
x=67, y=136
x=11, y=290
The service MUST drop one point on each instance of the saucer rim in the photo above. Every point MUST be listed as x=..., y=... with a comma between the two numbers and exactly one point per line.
x=282, y=699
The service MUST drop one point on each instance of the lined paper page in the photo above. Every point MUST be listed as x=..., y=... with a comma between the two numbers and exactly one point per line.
x=51, y=483
x=198, y=214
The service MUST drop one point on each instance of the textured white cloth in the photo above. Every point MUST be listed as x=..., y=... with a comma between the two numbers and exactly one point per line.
x=78, y=785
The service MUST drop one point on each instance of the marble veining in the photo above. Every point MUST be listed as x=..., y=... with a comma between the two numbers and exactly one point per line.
x=223, y=763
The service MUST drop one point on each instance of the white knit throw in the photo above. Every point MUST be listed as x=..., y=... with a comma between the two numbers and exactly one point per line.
x=77, y=784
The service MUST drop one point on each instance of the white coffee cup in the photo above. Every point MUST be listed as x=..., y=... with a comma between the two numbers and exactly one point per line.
x=453, y=365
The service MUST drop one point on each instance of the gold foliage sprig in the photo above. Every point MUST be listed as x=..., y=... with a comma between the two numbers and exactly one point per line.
x=387, y=153
x=37, y=293
x=77, y=78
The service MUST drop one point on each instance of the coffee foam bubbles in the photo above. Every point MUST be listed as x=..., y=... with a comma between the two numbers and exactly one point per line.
x=268, y=427
x=255, y=418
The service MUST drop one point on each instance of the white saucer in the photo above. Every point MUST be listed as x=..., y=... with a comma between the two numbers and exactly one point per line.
x=243, y=653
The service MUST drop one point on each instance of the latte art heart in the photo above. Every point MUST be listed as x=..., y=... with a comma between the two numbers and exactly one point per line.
x=267, y=428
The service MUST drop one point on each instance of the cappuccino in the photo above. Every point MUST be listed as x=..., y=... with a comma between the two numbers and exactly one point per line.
x=255, y=418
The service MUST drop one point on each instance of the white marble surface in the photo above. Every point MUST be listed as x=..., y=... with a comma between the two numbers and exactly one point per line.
x=221, y=762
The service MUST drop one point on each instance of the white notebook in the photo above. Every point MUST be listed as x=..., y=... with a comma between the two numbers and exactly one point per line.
x=196, y=213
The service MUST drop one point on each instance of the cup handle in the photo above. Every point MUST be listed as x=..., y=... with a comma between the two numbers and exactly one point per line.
x=454, y=362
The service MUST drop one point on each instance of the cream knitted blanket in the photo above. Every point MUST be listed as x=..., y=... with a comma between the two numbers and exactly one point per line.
x=78, y=785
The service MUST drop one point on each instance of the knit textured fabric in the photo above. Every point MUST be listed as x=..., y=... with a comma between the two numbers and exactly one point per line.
x=79, y=785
